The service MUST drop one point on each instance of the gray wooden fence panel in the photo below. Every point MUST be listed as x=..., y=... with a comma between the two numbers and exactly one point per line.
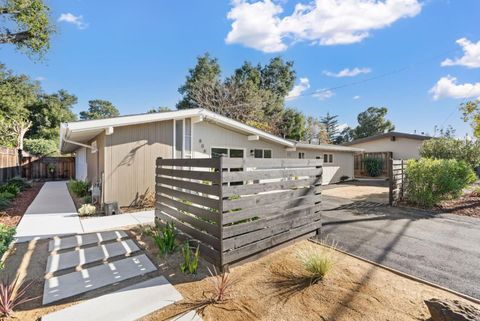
x=398, y=182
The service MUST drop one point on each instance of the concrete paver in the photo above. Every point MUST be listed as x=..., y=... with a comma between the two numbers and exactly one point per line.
x=71, y=284
x=61, y=243
x=127, y=304
x=98, y=253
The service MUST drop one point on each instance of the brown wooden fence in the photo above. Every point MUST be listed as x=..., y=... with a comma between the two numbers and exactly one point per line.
x=48, y=168
x=237, y=209
x=359, y=163
x=8, y=163
x=397, y=181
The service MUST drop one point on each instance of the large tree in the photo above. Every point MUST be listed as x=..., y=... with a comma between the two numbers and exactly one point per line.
x=25, y=24
x=330, y=123
x=315, y=132
x=99, y=109
x=372, y=122
x=292, y=125
x=471, y=112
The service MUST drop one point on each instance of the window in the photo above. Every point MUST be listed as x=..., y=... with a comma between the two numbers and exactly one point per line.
x=328, y=158
x=301, y=155
x=325, y=158
x=188, y=137
x=218, y=152
x=236, y=153
x=179, y=138
x=261, y=153
x=227, y=152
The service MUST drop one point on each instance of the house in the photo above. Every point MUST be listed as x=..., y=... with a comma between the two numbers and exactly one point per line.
x=120, y=153
x=401, y=145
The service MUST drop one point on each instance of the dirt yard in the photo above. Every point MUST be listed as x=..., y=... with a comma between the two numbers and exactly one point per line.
x=355, y=290
x=377, y=194
x=14, y=213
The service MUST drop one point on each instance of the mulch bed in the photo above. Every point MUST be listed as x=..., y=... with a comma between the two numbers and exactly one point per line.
x=14, y=213
x=468, y=205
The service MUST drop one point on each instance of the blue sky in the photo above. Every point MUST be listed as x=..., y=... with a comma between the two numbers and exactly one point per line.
x=136, y=54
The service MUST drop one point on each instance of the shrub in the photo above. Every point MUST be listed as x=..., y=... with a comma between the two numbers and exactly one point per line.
x=41, y=146
x=20, y=182
x=79, y=188
x=433, y=180
x=343, y=178
x=451, y=148
x=373, y=166
x=6, y=237
x=222, y=284
x=87, y=209
x=190, y=259
x=7, y=195
x=4, y=201
x=317, y=261
x=165, y=238
x=12, y=295
x=87, y=199
x=10, y=188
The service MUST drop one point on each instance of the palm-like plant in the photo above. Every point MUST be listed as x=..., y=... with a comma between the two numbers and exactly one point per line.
x=12, y=295
x=222, y=284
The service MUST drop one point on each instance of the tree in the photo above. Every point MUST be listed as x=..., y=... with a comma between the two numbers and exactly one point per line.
x=452, y=148
x=315, y=132
x=41, y=146
x=293, y=124
x=99, y=109
x=26, y=25
x=160, y=109
x=345, y=136
x=330, y=123
x=372, y=122
x=48, y=112
x=471, y=112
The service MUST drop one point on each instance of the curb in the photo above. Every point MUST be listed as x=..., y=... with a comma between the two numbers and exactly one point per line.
x=406, y=275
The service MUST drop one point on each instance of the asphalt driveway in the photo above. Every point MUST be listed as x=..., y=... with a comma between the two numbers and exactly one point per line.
x=443, y=249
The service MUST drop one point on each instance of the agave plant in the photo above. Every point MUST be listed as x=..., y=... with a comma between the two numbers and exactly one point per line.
x=12, y=295
x=222, y=284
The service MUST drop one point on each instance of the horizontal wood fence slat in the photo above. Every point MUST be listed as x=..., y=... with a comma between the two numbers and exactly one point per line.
x=8, y=163
x=238, y=208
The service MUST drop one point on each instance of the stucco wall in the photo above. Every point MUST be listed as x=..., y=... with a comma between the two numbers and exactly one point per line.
x=342, y=164
x=402, y=148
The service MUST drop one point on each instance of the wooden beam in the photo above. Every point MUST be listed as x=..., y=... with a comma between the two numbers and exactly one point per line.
x=253, y=137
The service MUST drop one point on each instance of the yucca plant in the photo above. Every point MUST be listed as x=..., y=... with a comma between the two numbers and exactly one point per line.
x=190, y=259
x=222, y=284
x=165, y=238
x=12, y=295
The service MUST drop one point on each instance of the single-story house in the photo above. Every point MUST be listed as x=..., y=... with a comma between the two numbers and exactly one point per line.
x=401, y=145
x=120, y=153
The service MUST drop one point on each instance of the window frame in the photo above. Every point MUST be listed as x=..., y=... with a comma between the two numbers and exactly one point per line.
x=228, y=150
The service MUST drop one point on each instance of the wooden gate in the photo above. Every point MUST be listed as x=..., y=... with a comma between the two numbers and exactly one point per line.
x=383, y=157
x=397, y=181
x=236, y=208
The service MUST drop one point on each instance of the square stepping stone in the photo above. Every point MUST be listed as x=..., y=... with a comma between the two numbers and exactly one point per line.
x=126, y=304
x=71, y=284
x=68, y=242
x=80, y=257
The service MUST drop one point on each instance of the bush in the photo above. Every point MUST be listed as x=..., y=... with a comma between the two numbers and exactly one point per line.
x=165, y=238
x=20, y=182
x=4, y=201
x=87, y=209
x=190, y=259
x=7, y=195
x=10, y=188
x=318, y=262
x=79, y=188
x=41, y=146
x=87, y=199
x=451, y=148
x=6, y=237
x=373, y=166
x=430, y=181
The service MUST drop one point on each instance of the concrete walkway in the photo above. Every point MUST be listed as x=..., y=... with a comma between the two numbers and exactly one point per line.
x=53, y=213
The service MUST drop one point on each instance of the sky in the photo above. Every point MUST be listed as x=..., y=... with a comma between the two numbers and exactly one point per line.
x=421, y=59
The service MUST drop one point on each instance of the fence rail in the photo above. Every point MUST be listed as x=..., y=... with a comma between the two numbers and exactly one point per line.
x=397, y=181
x=239, y=208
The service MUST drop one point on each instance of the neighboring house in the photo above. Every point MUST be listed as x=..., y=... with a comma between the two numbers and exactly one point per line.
x=401, y=145
x=120, y=153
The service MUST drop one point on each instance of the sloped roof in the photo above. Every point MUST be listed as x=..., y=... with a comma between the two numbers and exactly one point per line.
x=384, y=135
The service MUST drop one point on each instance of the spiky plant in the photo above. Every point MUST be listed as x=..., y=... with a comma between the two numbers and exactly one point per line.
x=12, y=294
x=318, y=262
x=222, y=284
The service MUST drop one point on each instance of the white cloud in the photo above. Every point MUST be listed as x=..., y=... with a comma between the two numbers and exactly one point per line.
x=258, y=24
x=447, y=87
x=356, y=97
x=347, y=72
x=471, y=55
x=323, y=94
x=297, y=90
x=73, y=19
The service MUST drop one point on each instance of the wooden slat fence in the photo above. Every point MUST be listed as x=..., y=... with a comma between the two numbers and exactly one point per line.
x=8, y=163
x=398, y=182
x=49, y=168
x=236, y=209
x=359, y=163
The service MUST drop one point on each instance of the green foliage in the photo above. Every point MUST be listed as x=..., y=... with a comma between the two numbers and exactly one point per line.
x=370, y=122
x=5, y=200
x=160, y=109
x=99, y=109
x=373, y=166
x=451, y=148
x=471, y=113
x=315, y=132
x=41, y=147
x=190, y=259
x=79, y=188
x=433, y=180
x=87, y=199
x=6, y=237
x=330, y=123
x=317, y=262
x=28, y=25
x=10, y=188
x=21, y=182
x=293, y=124
x=165, y=238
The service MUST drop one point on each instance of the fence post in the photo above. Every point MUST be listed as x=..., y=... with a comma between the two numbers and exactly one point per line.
x=220, y=210
x=403, y=182
x=319, y=230
x=391, y=185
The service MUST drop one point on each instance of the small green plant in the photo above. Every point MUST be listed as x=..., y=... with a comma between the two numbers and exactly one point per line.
x=79, y=188
x=12, y=295
x=10, y=188
x=373, y=166
x=318, y=262
x=6, y=237
x=7, y=195
x=190, y=259
x=87, y=199
x=87, y=209
x=20, y=182
x=165, y=238
x=5, y=201
x=343, y=178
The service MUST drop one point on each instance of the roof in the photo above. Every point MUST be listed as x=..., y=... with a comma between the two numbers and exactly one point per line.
x=385, y=135
x=329, y=147
x=85, y=130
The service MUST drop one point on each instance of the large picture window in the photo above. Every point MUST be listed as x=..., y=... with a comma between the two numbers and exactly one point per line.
x=227, y=152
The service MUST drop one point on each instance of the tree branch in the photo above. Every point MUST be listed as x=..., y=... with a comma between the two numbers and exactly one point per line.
x=14, y=37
